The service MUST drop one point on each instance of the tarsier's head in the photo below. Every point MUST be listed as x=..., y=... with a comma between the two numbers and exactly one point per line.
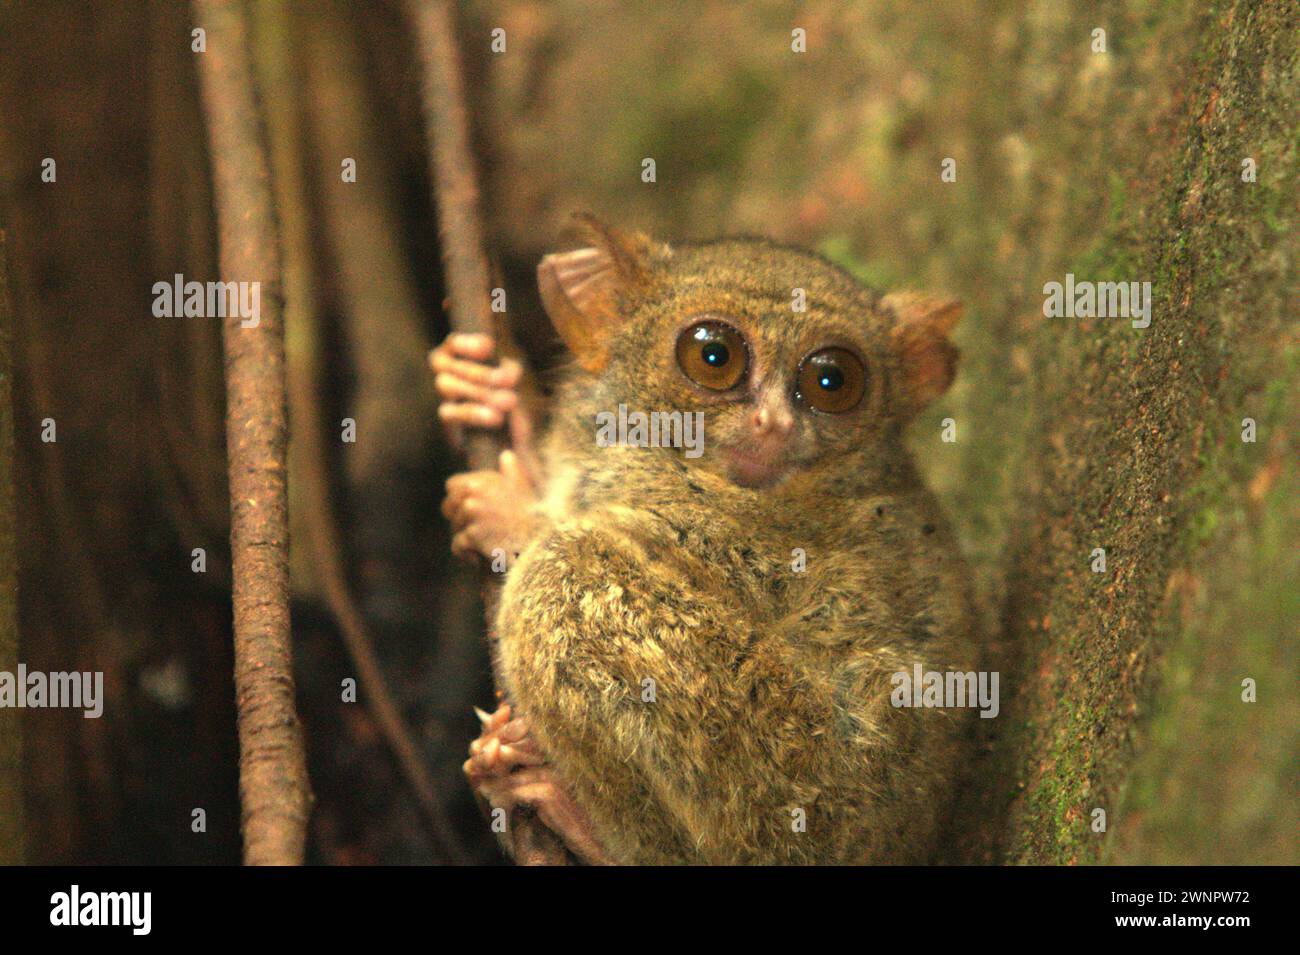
x=795, y=366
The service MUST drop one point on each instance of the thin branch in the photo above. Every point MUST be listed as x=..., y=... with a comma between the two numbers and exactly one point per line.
x=273, y=26
x=273, y=785
x=468, y=292
x=460, y=231
x=11, y=763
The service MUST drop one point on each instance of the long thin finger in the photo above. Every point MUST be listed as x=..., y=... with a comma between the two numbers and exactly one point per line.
x=460, y=513
x=474, y=345
x=451, y=388
x=451, y=503
x=512, y=469
x=510, y=367
x=499, y=718
x=521, y=439
x=506, y=377
x=530, y=746
x=461, y=517
x=475, y=416
x=465, y=481
x=531, y=776
x=520, y=756
x=514, y=731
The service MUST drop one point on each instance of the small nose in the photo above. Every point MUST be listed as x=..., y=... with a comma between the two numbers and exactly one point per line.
x=773, y=417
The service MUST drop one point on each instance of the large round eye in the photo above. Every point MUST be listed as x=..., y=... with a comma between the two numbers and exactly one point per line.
x=712, y=354
x=832, y=380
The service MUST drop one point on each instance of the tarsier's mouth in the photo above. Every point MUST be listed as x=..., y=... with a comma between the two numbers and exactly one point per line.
x=754, y=470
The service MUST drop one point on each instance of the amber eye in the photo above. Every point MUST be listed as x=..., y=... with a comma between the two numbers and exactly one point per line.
x=713, y=355
x=832, y=380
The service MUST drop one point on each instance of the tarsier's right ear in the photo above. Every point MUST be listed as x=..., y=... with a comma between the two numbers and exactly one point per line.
x=920, y=335
x=584, y=291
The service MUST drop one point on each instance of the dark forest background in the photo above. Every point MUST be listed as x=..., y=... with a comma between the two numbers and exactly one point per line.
x=1125, y=687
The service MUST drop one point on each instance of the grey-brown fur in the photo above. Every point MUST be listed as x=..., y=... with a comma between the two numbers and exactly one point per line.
x=771, y=686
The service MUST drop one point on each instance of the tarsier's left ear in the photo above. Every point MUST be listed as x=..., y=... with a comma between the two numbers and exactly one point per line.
x=585, y=291
x=928, y=358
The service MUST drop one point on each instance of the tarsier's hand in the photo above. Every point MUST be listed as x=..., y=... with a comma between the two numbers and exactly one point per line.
x=508, y=769
x=473, y=393
x=488, y=509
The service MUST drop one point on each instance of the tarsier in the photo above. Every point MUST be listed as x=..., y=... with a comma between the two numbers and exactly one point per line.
x=699, y=651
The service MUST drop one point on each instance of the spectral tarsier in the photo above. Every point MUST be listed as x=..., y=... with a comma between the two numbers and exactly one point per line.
x=699, y=649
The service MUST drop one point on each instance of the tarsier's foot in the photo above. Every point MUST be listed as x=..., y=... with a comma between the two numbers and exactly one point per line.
x=508, y=769
x=503, y=746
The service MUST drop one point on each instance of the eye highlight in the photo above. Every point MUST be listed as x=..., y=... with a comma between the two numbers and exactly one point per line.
x=832, y=381
x=713, y=355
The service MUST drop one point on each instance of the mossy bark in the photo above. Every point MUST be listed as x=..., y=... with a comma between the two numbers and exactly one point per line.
x=1107, y=140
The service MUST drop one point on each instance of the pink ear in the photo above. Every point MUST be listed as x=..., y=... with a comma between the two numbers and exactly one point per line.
x=580, y=293
x=585, y=290
x=928, y=359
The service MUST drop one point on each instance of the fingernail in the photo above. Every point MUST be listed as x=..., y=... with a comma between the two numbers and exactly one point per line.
x=483, y=718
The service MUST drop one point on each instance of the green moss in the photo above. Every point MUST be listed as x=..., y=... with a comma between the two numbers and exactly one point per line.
x=1145, y=460
x=1072, y=434
x=1214, y=775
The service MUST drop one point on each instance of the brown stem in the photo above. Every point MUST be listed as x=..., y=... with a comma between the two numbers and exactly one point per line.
x=273, y=786
x=468, y=292
x=11, y=764
x=274, y=26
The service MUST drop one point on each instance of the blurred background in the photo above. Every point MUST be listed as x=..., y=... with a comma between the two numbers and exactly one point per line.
x=1121, y=690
